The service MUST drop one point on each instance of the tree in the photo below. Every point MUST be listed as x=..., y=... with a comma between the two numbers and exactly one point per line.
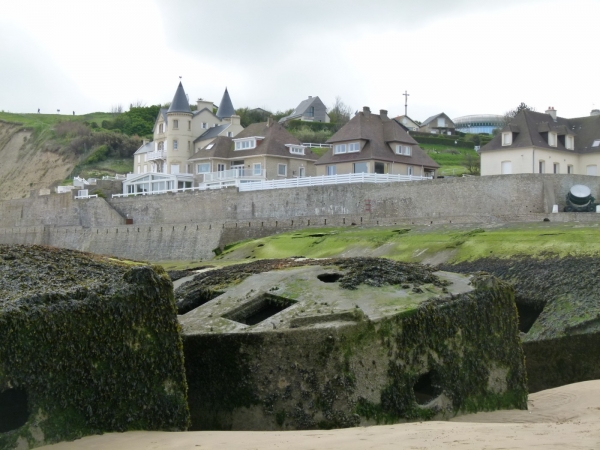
x=508, y=115
x=340, y=113
x=249, y=116
x=472, y=163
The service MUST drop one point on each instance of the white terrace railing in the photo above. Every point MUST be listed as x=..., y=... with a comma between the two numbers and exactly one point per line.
x=83, y=193
x=158, y=154
x=116, y=177
x=233, y=174
x=329, y=180
x=168, y=191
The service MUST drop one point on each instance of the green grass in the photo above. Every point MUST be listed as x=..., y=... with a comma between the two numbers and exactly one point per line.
x=36, y=120
x=425, y=244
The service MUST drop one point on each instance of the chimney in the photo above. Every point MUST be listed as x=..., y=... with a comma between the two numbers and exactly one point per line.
x=201, y=104
x=235, y=120
x=366, y=110
x=383, y=114
x=552, y=112
x=310, y=96
x=595, y=112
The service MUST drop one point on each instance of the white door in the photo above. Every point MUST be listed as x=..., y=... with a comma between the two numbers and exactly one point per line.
x=506, y=167
x=592, y=170
x=174, y=169
x=301, y=172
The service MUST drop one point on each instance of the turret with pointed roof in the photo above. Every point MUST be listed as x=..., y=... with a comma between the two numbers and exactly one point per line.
x=180, y=103
x=225, y=107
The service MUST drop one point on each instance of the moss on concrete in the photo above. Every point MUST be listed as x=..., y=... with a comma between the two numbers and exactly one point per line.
x=342, y=371
x=95, y=344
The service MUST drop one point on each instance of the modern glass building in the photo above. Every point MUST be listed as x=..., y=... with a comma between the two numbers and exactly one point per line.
x=478, y=123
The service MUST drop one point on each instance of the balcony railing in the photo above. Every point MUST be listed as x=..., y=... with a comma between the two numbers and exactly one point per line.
x=158, y=154
x=234, y=174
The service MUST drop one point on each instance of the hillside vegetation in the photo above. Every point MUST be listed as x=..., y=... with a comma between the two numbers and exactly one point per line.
x=44, y=150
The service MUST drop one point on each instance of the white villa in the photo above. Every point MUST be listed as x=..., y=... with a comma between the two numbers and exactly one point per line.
x=163, y=164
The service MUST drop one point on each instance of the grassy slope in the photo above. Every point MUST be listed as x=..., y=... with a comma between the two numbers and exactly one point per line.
x=425, y=244
x=42, y=124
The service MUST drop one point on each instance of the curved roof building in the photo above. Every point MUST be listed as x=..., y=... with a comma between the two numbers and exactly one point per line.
x=479, y=123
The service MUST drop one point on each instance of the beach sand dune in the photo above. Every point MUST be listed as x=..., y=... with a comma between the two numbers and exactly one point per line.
x=563, y=418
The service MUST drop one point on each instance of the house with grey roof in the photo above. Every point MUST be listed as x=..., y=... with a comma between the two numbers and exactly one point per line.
x=178, y=133
x=407, y=123
x=438, y=124
x=534, y=142
x=374, y=143
x=310, y=110
x=262, y=151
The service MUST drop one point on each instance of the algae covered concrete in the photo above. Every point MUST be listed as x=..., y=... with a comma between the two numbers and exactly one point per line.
x=349, y=342
x=559, y=304
x=87, y=345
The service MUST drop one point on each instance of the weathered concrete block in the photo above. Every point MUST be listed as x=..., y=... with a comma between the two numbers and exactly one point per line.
x=87, y=345
x=294, y=344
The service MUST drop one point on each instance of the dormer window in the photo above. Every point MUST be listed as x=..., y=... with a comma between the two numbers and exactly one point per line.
x=339, y=149
x=507, y=138
x=296, y=149
x=570, y=142
x=552, y=139
x=246, y=143
x=405, y=150
x=353, y=147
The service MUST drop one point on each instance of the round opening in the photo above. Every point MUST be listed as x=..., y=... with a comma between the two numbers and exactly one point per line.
x=13, y=409
x=329, y=277
x=425, y=389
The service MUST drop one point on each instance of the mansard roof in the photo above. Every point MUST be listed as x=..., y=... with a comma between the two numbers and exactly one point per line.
x=275, y=137
x=180, y=103
x=225, y=107
x=530, y=129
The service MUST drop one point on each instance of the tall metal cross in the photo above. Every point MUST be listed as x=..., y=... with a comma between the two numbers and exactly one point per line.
x=406, y=94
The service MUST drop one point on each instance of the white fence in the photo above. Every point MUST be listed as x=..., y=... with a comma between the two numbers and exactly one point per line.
x=233, y=174
x=167, y=191
x=116, y=177
x=329, y=180
x=84, y=193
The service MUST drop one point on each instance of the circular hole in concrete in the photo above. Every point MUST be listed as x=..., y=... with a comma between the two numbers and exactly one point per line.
x=329, y=277
x=13, y=409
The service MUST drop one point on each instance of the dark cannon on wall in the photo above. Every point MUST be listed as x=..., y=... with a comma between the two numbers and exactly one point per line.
x=579, y=199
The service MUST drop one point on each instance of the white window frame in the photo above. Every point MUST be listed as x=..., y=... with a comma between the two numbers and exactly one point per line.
x=203, y=171
x=552, y=139
x=353, y=147
x=145, y=157
x=331, y=170
x=297, y=150
x=175, y=144
x=175, y=124
x=570, y=169
x=257, y=169
x=229, y=134
x=279, y=166
x=570, y=142
x=139, y=169
x=246, y=144
x=339, y=149
x=405, y=150
x=301, y=172
x=555, y=167
x=204, y=125
x=541, y=166
x=506, y=165
x=507, y=138
x=409, y=170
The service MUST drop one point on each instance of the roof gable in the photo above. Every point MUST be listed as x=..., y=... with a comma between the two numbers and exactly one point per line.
x=432, y=118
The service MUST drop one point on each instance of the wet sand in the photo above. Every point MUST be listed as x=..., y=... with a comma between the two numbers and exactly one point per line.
x=563, y=418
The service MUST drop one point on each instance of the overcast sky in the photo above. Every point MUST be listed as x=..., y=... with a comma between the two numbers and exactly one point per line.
x=457, y=56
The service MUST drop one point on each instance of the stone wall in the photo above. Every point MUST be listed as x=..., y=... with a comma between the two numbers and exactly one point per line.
x=56, y=219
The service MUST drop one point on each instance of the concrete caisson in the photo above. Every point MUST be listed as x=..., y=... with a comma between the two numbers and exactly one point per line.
x=292, y=344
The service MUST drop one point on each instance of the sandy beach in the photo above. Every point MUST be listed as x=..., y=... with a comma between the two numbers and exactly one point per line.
x=563, y=418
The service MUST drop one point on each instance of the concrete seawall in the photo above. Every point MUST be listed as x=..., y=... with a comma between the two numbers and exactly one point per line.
x=190, y=225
